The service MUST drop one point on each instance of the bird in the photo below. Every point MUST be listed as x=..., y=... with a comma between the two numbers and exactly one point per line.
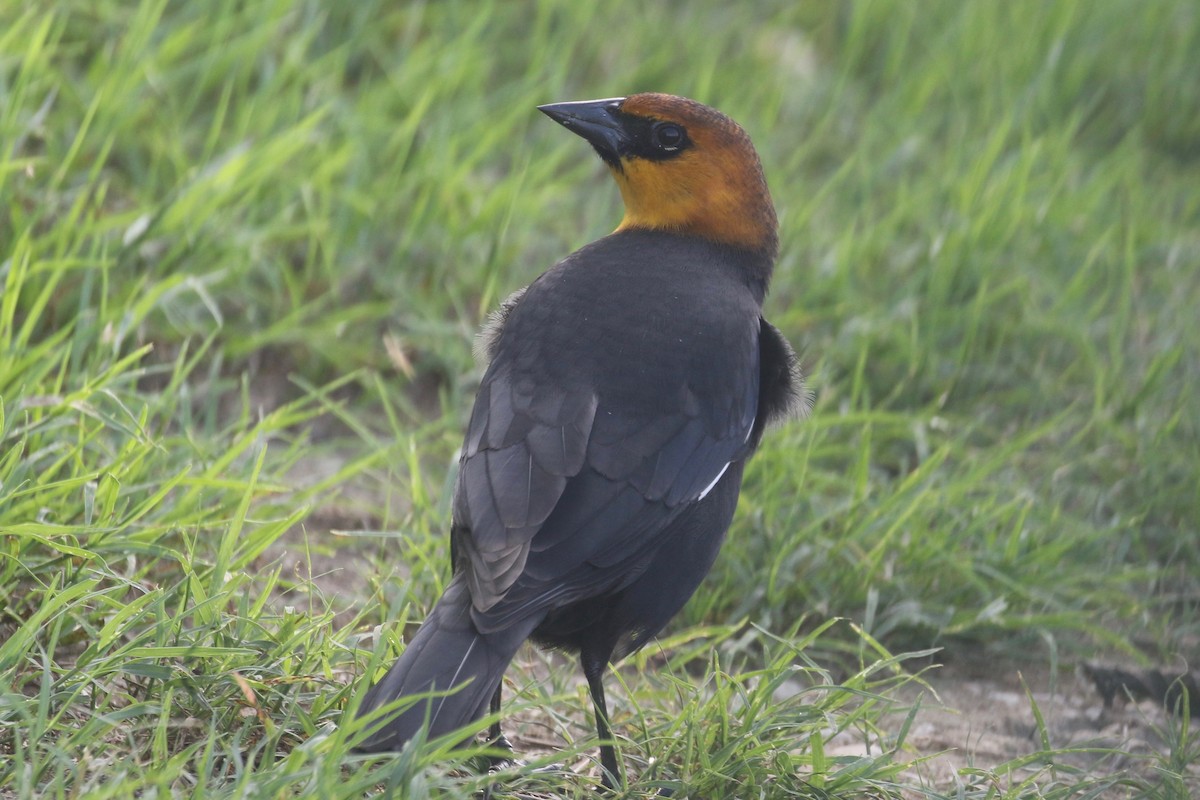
x=626, y=387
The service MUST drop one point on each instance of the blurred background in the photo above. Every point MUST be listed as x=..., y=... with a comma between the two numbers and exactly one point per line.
x=244, y=251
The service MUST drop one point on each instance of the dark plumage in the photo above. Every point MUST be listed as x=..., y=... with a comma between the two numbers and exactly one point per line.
x=627, y=386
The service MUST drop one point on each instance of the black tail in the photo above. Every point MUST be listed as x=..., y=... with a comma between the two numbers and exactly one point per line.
x=447, y=652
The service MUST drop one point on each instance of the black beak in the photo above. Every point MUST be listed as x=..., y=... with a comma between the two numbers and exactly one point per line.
x=597, y=121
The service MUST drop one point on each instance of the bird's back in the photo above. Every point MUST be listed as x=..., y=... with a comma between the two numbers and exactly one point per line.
x=634, y=314
x=623, y=383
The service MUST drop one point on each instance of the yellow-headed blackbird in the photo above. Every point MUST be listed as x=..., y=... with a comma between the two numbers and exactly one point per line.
x=627, y=386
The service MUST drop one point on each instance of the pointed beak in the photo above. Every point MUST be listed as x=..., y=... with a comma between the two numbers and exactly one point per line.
x=597, y=121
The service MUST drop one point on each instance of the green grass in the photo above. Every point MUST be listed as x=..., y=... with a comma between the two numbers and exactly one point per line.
x=243, y=252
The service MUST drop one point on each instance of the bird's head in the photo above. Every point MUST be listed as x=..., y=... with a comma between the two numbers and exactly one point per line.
x=681, y=166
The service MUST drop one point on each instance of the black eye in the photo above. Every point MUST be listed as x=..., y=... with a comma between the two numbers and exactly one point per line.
x=667, y=136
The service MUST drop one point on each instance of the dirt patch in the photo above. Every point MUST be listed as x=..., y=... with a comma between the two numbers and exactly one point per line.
x=979, y=718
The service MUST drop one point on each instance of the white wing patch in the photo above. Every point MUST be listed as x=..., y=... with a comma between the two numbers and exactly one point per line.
x=709, y=488
x=721, y=474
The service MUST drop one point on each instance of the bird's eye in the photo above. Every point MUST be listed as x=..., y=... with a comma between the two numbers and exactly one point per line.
x=667, y=136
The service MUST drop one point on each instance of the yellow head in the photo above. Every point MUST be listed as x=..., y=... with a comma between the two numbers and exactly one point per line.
x=681, y=167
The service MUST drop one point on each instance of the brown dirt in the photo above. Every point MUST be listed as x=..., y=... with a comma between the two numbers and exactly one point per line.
x=978, y=716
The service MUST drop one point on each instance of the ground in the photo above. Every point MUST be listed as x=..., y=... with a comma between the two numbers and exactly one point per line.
x=980, y=717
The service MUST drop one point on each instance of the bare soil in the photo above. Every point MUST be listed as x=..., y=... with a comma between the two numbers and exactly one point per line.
x=980, y=717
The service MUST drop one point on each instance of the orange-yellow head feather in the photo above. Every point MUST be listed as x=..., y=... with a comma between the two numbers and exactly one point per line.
x=681, y=166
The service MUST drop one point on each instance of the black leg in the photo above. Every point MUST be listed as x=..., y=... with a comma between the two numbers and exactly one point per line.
x=497, y=738
x=593, y=670
x=495, y=735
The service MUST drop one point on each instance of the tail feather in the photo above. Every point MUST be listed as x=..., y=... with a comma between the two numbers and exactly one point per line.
x=447, y=653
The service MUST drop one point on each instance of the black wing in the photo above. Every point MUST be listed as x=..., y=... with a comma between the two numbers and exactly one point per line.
x=522, y=446
x=594, y=428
